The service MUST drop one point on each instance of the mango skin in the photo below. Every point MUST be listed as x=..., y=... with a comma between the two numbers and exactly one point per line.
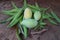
x=37, y=15
x=27, y=13
x=29, y=23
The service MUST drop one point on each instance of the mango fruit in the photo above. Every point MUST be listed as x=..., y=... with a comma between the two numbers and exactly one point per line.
x=29, y=23
x=37, y=15
x=27, y=13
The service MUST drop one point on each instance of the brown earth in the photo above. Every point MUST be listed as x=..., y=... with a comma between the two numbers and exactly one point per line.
x=53, y=32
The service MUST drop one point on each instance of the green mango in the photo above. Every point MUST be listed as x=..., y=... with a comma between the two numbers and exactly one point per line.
x=29, y=23
x=37, y=15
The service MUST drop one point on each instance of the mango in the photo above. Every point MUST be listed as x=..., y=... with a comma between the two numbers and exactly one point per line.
x=29, y=23
x=27, y=13
x=37, y=15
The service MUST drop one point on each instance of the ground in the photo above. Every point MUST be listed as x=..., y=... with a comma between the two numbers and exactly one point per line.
x=53, y=32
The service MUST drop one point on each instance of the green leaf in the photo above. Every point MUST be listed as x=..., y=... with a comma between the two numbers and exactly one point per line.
x=25, y=32
x=13, y=4
x=51, y=21
x=15, y=19
x=42, y=23
x=17, y=35
x=8, y=13
x=44, y=16
x=4, y=21
x=44, y=9
x=20, y=28
x=37, y=5
x=34, y=7
x=25, y=4
x=55, y=16
x=47, y=15
x=12, y=24
x=11, y=12
x=41, y=27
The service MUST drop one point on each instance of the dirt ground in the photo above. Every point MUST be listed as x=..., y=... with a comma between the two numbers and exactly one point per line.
x=53, y=32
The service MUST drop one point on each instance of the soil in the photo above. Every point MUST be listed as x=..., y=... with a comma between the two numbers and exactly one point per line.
x=53, y=32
